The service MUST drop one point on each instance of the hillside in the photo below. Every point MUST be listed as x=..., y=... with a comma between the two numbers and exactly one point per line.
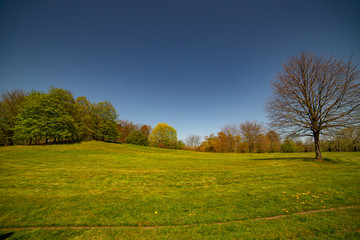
x=99, y=184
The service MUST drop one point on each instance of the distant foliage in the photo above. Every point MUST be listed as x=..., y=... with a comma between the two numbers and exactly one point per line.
x=289, y=146
x=343, y=140
x=138, y=138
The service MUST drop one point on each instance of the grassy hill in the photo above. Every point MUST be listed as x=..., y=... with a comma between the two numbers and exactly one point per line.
x=186, y=195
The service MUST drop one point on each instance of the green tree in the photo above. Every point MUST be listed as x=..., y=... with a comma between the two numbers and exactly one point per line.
x=82, y=119
x=288, y=146
x=137, y=138
x=10, y=106
x=103, y=122
x=45, y=116
x=163, y=135
x=60, y=113
x=31, y=120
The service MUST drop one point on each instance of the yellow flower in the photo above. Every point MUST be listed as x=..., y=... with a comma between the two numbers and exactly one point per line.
x=155, y=212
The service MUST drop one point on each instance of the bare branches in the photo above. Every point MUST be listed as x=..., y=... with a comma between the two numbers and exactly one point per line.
x=314, y=93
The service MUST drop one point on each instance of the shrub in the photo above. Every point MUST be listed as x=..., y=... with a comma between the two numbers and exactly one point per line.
x=137, y=138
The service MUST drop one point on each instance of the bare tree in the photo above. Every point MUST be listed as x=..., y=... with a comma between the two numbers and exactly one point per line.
x=250, y=132
x=193, y=141
x=314, y=93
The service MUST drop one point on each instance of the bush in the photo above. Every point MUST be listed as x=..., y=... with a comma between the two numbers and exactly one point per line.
x=137, y=138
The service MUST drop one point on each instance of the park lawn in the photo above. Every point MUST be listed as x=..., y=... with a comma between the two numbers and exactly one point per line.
x=105, y=184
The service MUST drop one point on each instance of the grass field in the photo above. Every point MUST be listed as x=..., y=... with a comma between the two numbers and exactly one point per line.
x=181, y=194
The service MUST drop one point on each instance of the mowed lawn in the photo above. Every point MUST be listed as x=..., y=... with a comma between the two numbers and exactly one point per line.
x=187, y=195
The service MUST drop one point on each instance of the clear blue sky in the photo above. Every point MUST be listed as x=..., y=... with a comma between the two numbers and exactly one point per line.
x=196, y=65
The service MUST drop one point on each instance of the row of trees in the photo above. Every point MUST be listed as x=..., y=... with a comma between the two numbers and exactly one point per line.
x=313, y=96
x=249, y=136
x=36, y=117
x=55, y=116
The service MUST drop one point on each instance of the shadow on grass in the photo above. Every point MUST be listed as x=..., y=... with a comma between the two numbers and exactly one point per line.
x=6, y=235
x=304, y=159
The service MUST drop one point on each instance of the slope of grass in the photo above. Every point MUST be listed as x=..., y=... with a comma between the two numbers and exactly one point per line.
x=103, y=184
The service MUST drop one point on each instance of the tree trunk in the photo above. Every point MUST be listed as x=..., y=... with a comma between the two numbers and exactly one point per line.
x=318, y=154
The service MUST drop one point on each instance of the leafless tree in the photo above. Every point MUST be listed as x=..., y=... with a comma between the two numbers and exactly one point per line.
x=314, y=93
x=250, y=132
x=193, y=141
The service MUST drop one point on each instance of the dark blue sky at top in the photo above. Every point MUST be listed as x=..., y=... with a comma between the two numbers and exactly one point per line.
x=196, y=65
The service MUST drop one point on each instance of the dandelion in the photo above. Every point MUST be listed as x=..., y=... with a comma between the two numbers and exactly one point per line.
x=155, y=212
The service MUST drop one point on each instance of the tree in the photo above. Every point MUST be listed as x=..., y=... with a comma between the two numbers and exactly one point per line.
x=146, y=130
x=230, y=137
x=164, y=136
x=60, y=112
x=263, y=144
x=82, y=119
x=193, y=141
x=29, y=121
x=208, y=144
x=137, y=138
x=46, y=115
x=275, y=143
x=314, y=93
x=125, y=127
x=250, y=132
x=10, y=106
x=288, y=146
x=104, y=121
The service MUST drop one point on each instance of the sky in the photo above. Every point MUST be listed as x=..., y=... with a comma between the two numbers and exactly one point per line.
x=195, y=65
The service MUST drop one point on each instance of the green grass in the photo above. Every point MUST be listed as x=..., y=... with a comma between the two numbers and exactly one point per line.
x=103, y=184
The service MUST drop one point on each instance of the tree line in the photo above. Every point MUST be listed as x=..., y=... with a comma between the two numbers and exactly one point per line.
x=255, y=137
x=313, y=97
x=57, y=117
x=36, y=117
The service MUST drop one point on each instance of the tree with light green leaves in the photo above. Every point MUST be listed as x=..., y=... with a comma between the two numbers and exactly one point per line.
x=164, y=136
x=10, y=106
x=46, y=116
x=82, y=119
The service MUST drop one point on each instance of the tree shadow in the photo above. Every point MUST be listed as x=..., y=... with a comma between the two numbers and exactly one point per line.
x=304, y=159
x=6, y=235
